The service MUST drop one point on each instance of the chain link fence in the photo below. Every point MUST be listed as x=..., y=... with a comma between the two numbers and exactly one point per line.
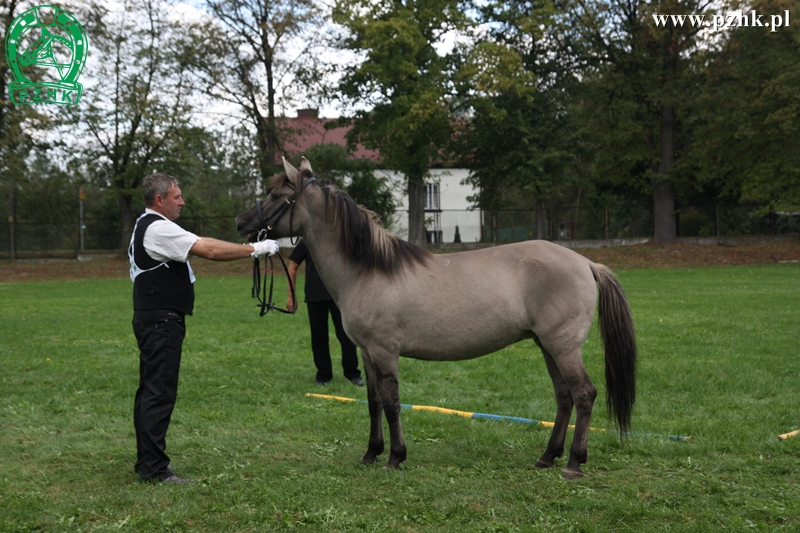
x=93, y=225
x=89, y=225
x=633, y=220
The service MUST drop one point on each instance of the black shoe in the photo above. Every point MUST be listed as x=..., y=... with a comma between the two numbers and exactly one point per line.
x=358, y=382
x=176, y=480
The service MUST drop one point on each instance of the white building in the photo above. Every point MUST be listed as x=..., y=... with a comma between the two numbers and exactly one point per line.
x=446, y=206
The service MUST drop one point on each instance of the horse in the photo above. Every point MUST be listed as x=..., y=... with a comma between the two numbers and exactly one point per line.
x=398, y=299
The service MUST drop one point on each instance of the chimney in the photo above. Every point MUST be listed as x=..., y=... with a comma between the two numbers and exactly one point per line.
x=307, y=113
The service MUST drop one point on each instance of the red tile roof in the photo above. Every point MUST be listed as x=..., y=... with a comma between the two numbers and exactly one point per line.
x=307, y=130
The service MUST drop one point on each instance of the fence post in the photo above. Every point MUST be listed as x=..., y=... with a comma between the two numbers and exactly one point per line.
x=11, y=213
x=82, y=197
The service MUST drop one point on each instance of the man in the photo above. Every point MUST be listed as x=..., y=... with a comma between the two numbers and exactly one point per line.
x=320, y=303
x=162, y=295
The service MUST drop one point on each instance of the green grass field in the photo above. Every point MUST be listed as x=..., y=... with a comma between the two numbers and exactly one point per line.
x=718, y=362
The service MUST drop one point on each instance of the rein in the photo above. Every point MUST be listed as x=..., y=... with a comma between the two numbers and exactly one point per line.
x=259, y=290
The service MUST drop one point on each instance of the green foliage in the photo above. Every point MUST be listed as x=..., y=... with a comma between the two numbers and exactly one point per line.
x=548, y=102
x=127, y=126
x=244, y=57
x=357, y=177
x=715, y=364
x=748, y=113
x=522, y=142
x=402, y=86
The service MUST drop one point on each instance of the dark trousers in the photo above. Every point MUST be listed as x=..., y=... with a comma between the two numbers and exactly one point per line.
x=320, y=346
x=160, y=337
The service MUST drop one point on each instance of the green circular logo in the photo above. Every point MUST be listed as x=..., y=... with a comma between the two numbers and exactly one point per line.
x=30, y=42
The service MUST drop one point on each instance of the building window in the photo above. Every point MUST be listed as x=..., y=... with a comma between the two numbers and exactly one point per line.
x=431, y=196
x=434, y=237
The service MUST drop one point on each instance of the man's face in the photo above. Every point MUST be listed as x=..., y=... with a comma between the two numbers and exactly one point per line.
x=170, y=206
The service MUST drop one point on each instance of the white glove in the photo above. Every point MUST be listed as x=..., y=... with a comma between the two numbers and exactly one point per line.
x=266, y=247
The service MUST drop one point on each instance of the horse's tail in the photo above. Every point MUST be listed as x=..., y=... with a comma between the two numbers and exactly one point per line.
x=619, y=344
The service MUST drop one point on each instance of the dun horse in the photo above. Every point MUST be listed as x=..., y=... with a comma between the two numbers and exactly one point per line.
x=397, y=299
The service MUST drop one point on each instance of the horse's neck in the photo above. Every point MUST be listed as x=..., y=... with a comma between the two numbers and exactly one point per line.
x=335, y=270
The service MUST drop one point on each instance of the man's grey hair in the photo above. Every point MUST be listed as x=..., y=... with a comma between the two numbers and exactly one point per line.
x=157, y=185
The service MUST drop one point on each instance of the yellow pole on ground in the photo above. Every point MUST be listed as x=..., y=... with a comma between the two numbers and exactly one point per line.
x=467, y=414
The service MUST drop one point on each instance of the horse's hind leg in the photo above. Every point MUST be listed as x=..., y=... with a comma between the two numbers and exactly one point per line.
x=376, y=441
x=583, y=396
x=555, y=447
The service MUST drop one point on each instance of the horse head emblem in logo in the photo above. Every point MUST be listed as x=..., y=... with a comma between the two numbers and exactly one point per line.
x=50, y=38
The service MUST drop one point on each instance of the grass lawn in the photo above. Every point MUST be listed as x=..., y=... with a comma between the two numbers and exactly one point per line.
x=718, y=362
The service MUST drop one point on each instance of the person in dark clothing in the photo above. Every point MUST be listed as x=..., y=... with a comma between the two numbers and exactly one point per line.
x=163, y=294
x=320, y=303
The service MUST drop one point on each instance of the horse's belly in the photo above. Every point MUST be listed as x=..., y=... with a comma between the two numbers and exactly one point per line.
x=461, y=345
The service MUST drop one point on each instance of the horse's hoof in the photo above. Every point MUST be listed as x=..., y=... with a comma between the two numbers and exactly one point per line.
x=573, y=474
x=393, y=468
x=540, y=464
x=367, y=460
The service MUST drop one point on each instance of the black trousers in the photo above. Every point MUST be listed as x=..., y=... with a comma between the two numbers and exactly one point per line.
x=160, y=337
x=320, y=345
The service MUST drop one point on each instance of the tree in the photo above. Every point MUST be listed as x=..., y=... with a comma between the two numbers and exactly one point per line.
x=747, y=140
x=218, y=175
x=521, y=141
x=357, y=177
x=402, y=86
x=141, y=102
x=250, y=55
x=16, y=124
x=639, y=76
x=11, y=116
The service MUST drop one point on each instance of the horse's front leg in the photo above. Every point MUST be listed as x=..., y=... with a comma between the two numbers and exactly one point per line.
x=376, y=441
x=384, y=368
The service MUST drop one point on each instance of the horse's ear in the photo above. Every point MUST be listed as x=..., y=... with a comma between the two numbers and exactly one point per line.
x=305, y=165
x=291, y=172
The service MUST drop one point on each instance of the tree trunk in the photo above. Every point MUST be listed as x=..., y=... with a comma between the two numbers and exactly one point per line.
x=416, y=210
x=7, y=18
x=126, y=222
x=540, y=221
x=268, y=166
x=663, y=193
x=264, y=163
x=664, y=212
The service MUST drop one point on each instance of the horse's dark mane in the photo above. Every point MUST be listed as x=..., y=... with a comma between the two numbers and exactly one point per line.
x=279, y=180
x=361, y=237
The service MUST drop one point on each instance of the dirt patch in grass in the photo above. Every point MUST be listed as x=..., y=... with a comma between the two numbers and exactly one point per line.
x=694, y=255
x=623, y=257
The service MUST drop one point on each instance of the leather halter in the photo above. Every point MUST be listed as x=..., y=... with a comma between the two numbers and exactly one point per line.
x=266, y=224
x=259, y=290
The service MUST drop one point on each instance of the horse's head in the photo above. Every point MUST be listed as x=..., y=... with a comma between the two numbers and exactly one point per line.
x=276, y=212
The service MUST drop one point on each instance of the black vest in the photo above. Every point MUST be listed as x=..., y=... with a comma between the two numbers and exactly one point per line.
x=167, y=286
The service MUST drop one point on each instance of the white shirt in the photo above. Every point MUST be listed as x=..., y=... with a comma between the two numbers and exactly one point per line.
x=164, y=240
